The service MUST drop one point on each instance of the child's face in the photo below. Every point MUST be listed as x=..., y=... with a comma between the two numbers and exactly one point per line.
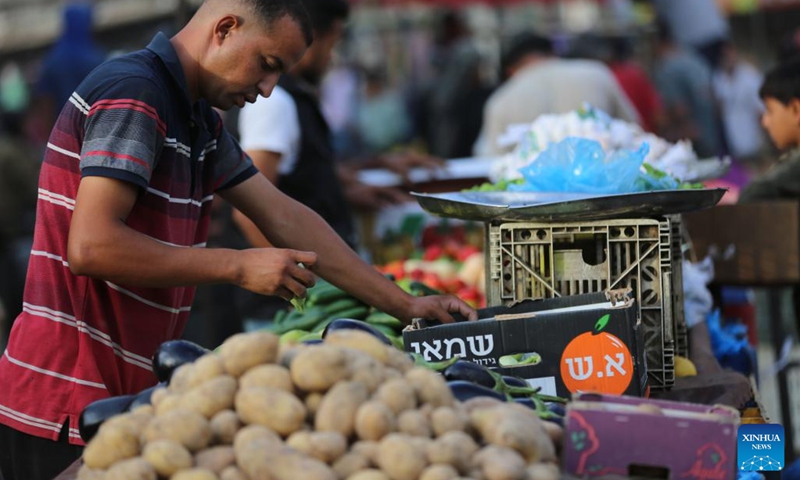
x=782, y=122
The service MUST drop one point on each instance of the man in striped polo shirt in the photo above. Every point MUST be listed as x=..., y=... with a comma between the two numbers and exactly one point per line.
x=125, y=193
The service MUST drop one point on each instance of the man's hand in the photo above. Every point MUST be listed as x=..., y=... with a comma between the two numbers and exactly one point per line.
x=402, y=163
x=276, y=271
x=370, y=198
x=439, y=307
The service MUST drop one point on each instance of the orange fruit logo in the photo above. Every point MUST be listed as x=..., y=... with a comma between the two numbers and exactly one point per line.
x=597, y=362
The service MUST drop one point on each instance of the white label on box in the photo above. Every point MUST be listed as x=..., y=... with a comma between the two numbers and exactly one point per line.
x=547, y=385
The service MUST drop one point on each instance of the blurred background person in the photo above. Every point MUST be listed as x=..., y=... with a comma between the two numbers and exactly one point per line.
x=696, y=24
x=635, y=82
x=536, y=82
x=66, y=64
x=736, y=85
x=683, y=80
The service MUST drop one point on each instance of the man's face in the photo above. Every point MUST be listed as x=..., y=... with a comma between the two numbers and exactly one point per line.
x=247, y=59
x=314, y=64
x=782, y=122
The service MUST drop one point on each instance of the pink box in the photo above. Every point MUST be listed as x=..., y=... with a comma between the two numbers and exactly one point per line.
x=631, y=436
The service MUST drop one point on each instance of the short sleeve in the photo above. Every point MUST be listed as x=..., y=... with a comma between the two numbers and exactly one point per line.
x=124, y=131
x=231, y=165
x=272, y=124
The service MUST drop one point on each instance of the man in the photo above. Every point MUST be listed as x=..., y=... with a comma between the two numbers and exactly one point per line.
x=290, y=142
x=537, y=83
x=124, y=199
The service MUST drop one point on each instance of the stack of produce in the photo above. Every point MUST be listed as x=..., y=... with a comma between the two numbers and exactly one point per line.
x=350, y=408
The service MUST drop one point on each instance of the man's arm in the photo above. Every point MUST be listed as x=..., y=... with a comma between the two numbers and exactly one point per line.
x=286, y=222
x=102, y=246
x=267, y=163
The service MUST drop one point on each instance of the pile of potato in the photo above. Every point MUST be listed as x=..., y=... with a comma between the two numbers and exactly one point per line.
x=351, y=408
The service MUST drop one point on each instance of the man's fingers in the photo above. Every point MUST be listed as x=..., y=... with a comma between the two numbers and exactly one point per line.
x=284, y=293
x=296, y=288
x=309, y=259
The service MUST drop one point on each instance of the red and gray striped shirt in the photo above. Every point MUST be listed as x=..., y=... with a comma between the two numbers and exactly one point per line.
x=81, y=339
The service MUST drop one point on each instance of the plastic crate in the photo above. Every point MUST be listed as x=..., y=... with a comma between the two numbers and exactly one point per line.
x=546, y=260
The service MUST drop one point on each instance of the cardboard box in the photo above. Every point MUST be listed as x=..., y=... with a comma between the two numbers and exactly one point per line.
x=753, y=244
x=586, y=342
x=654, y=438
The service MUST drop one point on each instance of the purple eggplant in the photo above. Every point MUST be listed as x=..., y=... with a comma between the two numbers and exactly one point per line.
x=143, y=397
x=98, y=412
x=515, y=381
x=350, y=324
x=470, y=372
x=172, y=354
x=313, y=341
x=464, y=390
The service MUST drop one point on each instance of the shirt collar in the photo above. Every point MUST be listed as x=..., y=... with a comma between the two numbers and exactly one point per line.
x=162, y=47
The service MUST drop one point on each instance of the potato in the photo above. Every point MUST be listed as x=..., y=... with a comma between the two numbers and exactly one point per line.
x=205, y=368
x=269, y=375
x=367, y=448
x=135, y=422
x=430, y=387
x=146, y=410
x=170, y=402
x=272, y=408
x=453, y=448
x=401, y=458
x=318, y=369
x=243, y=351
x=211, y=397
x=365, y=369
x=158, y=395
x=446, y=419
x=324, y=446
x=391, y=374
x=478, y=403
x=188, y=428
x=370, y=474
x=253, y=433
x=111, y=445
x=439, y=472
x=414, y=423
x=215, y=459
x=181, y=378
x=224, y=426
x=350, y=463
x=374, y=420
x=399, y=360
x=312, y=401
x=362, y=341
x=542, y=471
x=194, y=474
x=132, y=469
x=86, y=473
x=507, y=426
x=284, y=463
x=500, y=463
x=398, y=395
x=337, y=412
x=232, y=473
x=167, y=456
x=555, y=432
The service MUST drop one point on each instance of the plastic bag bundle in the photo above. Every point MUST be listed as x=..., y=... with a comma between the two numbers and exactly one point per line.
x=581, y=165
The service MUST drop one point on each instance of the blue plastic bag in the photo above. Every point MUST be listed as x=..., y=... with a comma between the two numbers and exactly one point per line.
x=581, y=165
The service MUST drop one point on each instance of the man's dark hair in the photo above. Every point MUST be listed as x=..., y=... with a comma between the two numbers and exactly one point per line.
x=324, y=13
x=272, y=10
x=522, y=45
x=782, y=82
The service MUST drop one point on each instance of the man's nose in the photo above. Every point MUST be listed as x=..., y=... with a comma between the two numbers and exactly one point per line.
x=267, y=84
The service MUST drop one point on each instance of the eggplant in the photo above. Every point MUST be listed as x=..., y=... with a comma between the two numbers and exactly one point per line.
x=470, y=372
x=515, y=382
x=350, y=324
x=172, y=354
x=143, y=397
x=313, y=341
x=99, y=411
x=556, y=408
x=464, y=390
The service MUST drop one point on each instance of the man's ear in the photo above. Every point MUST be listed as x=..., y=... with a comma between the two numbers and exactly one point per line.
x=224, y=26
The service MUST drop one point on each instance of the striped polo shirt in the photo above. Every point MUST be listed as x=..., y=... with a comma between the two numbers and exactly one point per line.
x=80, y=339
